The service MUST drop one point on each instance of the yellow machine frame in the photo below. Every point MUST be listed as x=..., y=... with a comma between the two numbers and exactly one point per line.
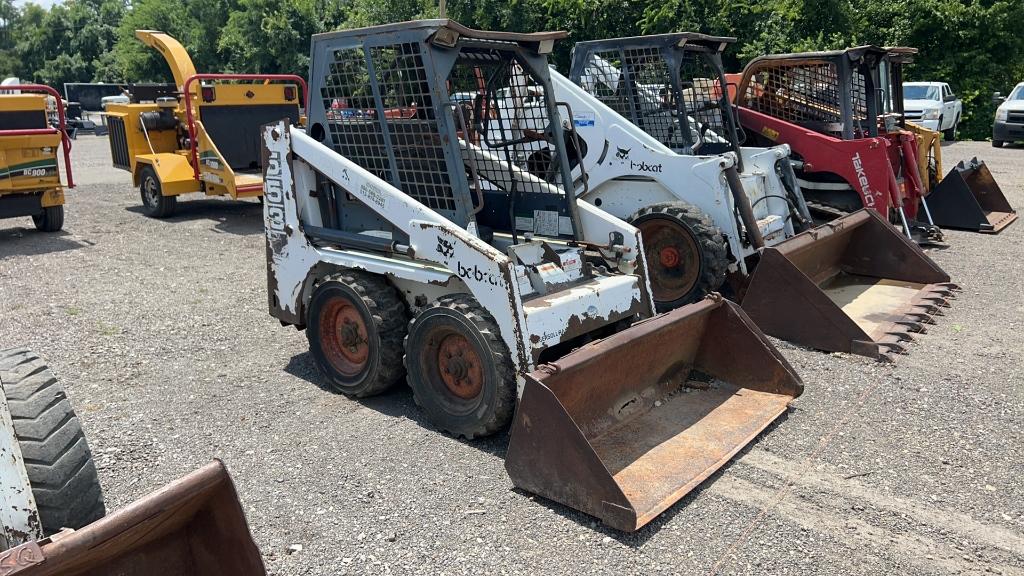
x=30, y=183
x=929, y=155
x=158, y=135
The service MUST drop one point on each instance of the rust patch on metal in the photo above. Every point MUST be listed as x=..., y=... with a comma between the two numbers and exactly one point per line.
x=20, y=557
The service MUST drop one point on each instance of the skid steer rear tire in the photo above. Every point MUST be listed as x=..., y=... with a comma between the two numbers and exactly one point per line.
x=687, y=256
x=57, y=457
x=355, y=325
x=51, y=220
x=154, y=203
x=460, y=369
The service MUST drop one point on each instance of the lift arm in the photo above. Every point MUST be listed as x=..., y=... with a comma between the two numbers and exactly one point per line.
x=174, y=53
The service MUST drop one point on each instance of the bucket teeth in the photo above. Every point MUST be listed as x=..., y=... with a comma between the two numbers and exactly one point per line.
x=912, y=326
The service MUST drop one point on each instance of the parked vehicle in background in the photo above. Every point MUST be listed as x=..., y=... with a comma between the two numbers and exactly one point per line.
x=934, y=106
x=115, y=99
x=1009, y=123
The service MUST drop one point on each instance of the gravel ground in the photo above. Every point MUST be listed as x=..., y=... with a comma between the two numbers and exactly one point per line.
x=159, y=330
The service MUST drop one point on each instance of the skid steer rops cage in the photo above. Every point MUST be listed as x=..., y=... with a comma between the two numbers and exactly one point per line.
x=425, y=217
x=968, y=197
x=668, y=85
x=850, y=153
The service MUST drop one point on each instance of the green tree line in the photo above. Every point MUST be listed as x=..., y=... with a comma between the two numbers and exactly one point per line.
x=975, y=45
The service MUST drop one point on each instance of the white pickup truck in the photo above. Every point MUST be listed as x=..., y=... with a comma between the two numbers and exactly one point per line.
x=934, y=106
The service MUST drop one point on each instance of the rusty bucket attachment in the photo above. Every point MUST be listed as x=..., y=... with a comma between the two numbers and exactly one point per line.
x=624, y=427
x=853, y=285
x=193, y=526
x=968, y=198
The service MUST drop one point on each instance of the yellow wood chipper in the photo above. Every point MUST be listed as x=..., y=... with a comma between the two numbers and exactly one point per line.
x=200, y=134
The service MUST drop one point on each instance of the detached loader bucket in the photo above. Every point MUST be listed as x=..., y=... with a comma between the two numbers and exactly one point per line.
x=853, y=285
x=624, y=427
x=191, y=527
x=968, y=198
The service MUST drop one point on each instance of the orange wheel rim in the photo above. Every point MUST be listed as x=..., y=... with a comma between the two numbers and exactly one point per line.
x=672, y=256
x=344, y=336
x=460, y=367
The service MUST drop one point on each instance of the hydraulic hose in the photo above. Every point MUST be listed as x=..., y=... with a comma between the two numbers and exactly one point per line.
x=732, y=176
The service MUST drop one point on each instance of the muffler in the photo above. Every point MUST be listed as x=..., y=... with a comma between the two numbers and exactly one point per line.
x=624, y=427
x=193, y=526
x=968, y=198
x=853, y=285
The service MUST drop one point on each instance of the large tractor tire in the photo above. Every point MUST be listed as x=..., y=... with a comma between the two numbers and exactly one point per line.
x=355, y=325
x=57, y=457
x=459, y=368
x=687, y=256
x=154, y=203
x=51, y=220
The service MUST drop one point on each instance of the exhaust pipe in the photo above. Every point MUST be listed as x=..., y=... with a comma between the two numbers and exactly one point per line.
x=624, y=427
x=853, y=285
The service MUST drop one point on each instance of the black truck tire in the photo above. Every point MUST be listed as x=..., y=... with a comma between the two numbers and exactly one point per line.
x=57, y=457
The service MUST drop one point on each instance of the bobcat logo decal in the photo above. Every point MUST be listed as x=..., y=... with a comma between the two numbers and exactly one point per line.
x=622, y=153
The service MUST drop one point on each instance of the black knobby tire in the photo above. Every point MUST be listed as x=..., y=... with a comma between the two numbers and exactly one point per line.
x=51, y=220
x=687, y=255
x=997, y=143
x=57, y=457
x=154, y=203
x=355, y=324
x=949, y=134
x=484, y=401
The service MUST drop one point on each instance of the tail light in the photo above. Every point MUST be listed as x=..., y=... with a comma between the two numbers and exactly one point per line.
x=289, y=93
x=208, y=94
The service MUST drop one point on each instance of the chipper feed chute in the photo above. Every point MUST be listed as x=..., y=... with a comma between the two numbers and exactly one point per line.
x=968, y=198
x=194, y=526
x=853, y=285
x=624, y=427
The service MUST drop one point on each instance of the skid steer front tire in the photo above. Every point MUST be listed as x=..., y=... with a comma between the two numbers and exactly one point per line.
x=51, y=220
x=460, y=369
x=687, y=257
x=355, y=326
x=154, y=203
x=57, y=457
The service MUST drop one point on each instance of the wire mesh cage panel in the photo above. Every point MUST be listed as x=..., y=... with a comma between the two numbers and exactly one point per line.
x=813, y=94
x=410, y=153
x=466, y=130
x=675, y=96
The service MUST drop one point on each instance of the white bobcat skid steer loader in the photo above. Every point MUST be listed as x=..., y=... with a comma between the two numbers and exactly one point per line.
x=402, y=226
x=662, y=152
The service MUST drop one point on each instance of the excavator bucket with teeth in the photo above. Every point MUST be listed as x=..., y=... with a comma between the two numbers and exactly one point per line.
x=853, y=285
x=624, y=427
